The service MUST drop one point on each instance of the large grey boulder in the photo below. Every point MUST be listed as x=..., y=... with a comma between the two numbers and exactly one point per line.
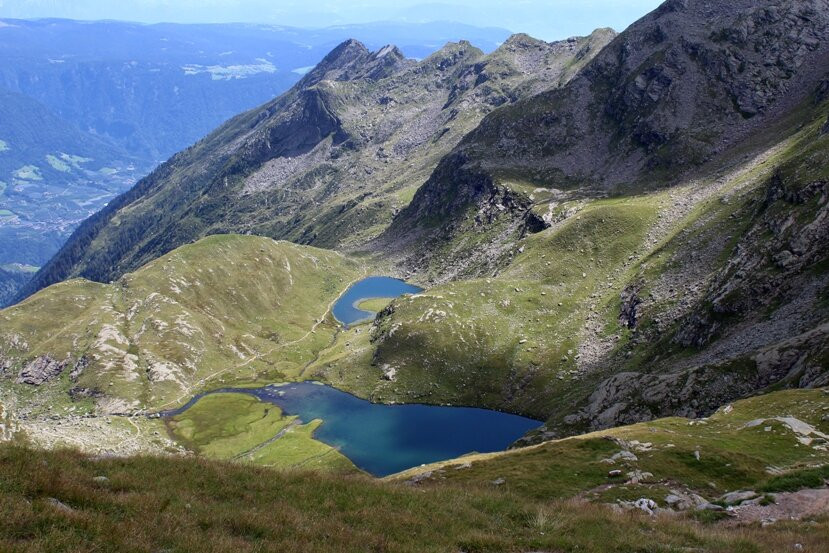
x=42, y=369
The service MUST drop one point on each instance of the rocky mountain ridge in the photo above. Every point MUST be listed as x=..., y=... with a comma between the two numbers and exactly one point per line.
x=682, y=86
x=329, y=162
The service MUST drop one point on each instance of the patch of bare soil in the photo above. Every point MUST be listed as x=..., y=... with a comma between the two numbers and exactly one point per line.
x=787, y=506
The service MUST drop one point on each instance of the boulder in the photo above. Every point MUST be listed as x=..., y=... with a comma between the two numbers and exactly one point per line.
x=646, y=505
x=41, y=370
x=418, y=478
x=625, y=456
x=710, y=507
x=636, y=476
x=734, y=498
x=681, y=501
x=60, y=505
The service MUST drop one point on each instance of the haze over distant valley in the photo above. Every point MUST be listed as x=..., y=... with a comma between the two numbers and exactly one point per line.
x=80, y=123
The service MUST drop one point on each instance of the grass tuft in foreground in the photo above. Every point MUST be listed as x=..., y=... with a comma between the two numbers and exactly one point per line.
x=64, y=501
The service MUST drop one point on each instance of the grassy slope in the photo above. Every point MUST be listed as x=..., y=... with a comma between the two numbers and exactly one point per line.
x=510, y=342
x=241, y=427
x=507, y=342
x=227, y=309
x=180, y=504
x=732, y=455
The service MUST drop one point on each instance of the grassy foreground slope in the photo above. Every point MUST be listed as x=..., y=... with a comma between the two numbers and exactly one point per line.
x=546, y=499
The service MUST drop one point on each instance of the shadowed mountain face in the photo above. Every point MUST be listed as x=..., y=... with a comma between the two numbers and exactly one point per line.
x=679, y=88
x=328, y=163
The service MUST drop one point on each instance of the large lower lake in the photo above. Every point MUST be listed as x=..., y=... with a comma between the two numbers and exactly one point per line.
x=384, y=439
x=345, y=309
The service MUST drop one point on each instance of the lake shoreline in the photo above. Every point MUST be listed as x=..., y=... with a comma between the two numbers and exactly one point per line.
x=382, y=438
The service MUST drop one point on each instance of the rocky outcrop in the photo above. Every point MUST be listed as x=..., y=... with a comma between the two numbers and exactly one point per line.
x=769, y=262
x=41, y=370
x=77, y=370
x=630, y=304
x=439, y=219
x=676, y=89
x=632, y=397
x=79, y=393
x=5, y=365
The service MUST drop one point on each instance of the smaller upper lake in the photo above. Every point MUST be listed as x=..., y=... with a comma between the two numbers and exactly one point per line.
x=346, y=310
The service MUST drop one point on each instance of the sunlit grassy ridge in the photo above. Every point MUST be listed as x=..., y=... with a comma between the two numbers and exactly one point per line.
x=226, y=309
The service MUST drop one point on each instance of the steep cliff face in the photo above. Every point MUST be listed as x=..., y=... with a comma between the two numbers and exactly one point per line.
x=752, y=309
x=677, y=89
x=329, y=163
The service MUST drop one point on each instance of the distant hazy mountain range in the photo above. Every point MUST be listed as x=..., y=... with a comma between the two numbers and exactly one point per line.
x=80, y=124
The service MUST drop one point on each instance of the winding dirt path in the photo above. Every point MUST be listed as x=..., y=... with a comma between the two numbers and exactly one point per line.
x=192, y=389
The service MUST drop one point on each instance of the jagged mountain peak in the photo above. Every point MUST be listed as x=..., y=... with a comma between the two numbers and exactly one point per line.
x=346, y=52
x=521, y=40
x=679, y=88
x=351, y=61
x=389, y=50
x=453, y=53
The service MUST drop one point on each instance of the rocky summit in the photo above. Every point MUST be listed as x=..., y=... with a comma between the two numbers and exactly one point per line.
x=621, y=238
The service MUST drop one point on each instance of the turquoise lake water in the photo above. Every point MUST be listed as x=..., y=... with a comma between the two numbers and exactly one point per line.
x=345, y=310
x=384, y=439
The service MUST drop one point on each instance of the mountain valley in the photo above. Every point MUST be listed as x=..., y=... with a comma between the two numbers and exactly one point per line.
x=621, y=236
x=81, y=124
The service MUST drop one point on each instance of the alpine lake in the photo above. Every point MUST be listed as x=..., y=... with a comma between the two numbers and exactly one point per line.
x=377, y=438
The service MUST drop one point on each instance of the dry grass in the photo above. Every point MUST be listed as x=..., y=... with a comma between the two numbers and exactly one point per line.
x=154, y=504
